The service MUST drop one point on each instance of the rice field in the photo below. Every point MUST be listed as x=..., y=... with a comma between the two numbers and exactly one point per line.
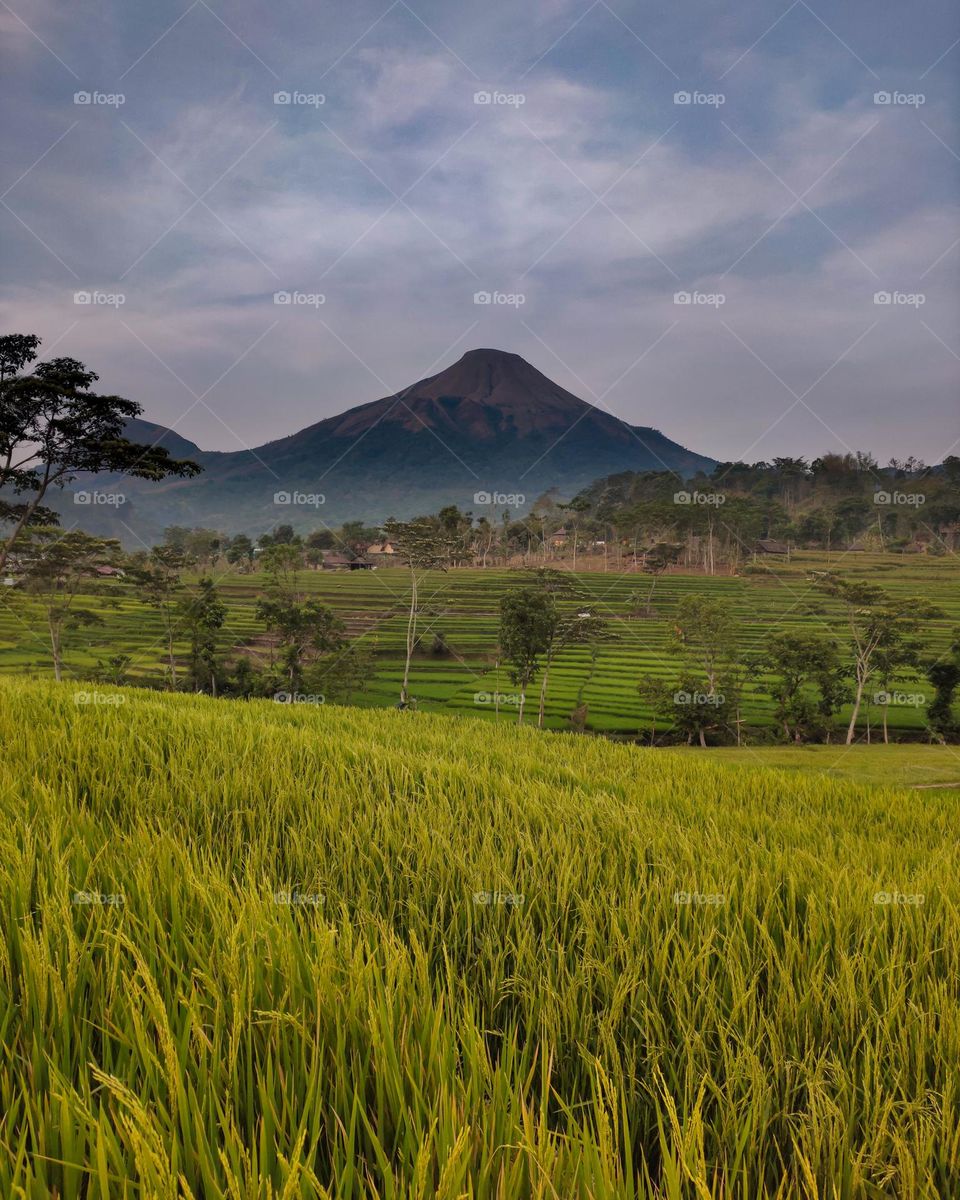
x=464, y=608
x=253, y=950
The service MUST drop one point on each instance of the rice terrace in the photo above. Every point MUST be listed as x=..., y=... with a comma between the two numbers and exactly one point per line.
x=479, y=601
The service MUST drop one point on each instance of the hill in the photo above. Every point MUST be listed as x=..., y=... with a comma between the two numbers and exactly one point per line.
x=255, y=949
x=490, y=423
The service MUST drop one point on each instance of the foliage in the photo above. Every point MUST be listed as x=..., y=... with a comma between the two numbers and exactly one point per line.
x=52, y=427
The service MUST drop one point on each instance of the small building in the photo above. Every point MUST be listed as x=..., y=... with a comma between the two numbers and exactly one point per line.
x=110, y=572
x=336, y=562
x=856, y=548
x=560, y=538
x=771, y=546
x=379, y=548
x=346, y=562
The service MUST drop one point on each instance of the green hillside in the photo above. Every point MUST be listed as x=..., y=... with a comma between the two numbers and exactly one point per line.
x=465, y=611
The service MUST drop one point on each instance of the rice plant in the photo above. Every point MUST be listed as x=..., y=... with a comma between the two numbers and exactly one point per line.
x=253, y=950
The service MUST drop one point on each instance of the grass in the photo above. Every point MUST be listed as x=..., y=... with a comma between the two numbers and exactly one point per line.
x=900, y=766
x=466, y=604
x=398, y=1031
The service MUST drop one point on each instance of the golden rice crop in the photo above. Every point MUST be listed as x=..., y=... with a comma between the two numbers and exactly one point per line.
x=253, y=950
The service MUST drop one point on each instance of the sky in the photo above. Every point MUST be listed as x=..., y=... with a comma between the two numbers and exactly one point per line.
x=739, y=224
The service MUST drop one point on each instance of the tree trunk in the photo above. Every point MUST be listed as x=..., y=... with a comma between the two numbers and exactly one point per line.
x=411, y=635
x=703, y=739
x=172, y=660
x=523, y=700
x=852, y=727
x=28, y=512
x=543, y=695
x=886, y=735
x=55, y=649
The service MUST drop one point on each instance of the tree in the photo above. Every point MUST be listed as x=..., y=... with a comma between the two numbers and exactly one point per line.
x=458, y=527
x=282, y=563
x=808, y=684
x=708, y=691
x=424, y=544
x=303, y=631
x=577, y=510
x=57, y=566
x=202, y=614
x=704, y=635
x=879, y=626
x=240, y=551
x=655, y=561
x=157, y=581
x=528, y=619
x=944, y=674
x=693, y=712
x=894, y=655
x=569, y=629
x=52, y=427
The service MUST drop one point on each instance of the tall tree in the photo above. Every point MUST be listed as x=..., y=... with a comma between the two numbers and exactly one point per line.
x=52, y=426
x=944, y=674
x=424, y=544
x=808, y=682
x=157, y=582
x=528, y=620
x=578, y=627
x=303, y=632
x=57, y=566
x=878, y=625
x=202, y=614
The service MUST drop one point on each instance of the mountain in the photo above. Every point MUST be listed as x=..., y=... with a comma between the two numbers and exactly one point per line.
x=489, y=424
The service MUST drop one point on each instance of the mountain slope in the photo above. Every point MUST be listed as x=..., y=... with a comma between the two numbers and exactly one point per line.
x=490, y=423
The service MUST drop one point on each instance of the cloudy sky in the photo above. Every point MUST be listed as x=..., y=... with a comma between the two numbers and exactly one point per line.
x=782, y=198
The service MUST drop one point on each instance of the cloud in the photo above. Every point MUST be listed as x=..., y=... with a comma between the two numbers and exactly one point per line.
x=500, y=196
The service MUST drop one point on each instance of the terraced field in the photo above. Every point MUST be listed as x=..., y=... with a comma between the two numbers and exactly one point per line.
x=464, y=605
